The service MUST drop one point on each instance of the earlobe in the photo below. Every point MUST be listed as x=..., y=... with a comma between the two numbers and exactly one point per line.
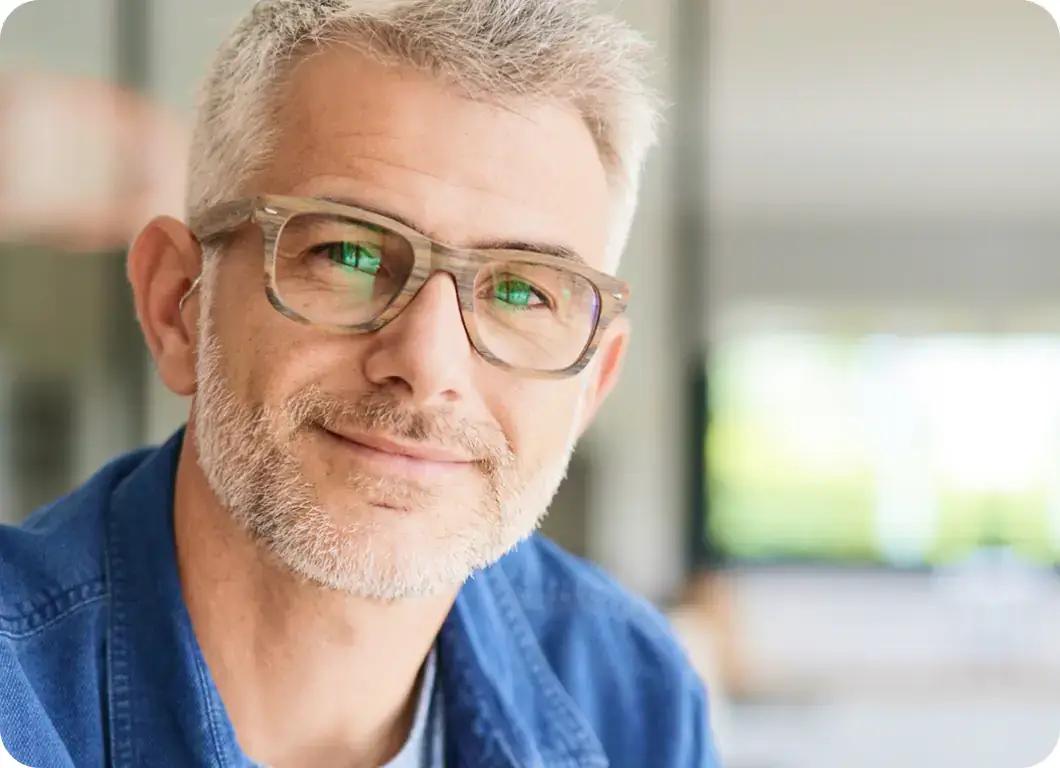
x=163, y=262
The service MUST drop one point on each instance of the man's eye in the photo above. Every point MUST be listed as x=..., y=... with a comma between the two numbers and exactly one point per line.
x=518, y=294
x=354, y=256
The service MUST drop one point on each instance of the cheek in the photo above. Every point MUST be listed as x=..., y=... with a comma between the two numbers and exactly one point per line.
x=269, y=358
x=539, y=416
x=296, y=361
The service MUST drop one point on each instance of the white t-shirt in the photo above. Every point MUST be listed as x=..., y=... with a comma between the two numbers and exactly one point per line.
x=425, y=747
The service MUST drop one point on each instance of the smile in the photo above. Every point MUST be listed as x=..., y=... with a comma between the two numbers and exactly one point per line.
x=387, y=457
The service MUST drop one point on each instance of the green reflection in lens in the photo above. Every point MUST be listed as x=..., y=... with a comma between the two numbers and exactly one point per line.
x=516, y=294
x=358, y=257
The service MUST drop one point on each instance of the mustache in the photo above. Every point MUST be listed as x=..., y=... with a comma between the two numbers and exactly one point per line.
x=380, y=412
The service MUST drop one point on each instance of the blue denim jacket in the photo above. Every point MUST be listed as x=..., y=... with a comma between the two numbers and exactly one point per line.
x=543, y=661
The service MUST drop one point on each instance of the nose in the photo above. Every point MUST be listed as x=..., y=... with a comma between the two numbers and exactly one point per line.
x=424, y=352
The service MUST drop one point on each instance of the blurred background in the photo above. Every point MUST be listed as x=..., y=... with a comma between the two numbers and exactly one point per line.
x=834, y=459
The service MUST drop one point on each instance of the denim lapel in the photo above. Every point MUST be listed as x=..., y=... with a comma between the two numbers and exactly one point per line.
x=163, y=708
x=504, y=704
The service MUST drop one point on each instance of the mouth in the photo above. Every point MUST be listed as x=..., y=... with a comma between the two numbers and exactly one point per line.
x=388, y=457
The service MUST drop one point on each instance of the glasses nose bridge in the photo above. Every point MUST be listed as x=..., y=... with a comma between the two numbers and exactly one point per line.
x=460, y=264
x=434, y=259
x=464, y=299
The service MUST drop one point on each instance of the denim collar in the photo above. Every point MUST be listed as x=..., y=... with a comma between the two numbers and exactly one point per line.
x=507, y=701
x=163, y=706
x=504, y=705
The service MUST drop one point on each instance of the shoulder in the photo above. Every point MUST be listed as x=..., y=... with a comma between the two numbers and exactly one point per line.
x=616, y=655
x=557, y=588
x=53, y=564
x=53, y=612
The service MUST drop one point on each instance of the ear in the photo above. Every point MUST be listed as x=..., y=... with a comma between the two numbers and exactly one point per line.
x=163, y=262
x=607, y=366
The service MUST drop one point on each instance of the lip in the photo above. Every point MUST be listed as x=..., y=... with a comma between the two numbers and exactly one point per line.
x=392, y=457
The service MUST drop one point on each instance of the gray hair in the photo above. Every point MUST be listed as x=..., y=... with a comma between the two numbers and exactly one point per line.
x=492, y=49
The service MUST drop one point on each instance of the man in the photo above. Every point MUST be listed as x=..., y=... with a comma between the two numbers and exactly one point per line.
x=393, y=307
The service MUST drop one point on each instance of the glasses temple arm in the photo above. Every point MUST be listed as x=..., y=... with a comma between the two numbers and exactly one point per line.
x=188, y=293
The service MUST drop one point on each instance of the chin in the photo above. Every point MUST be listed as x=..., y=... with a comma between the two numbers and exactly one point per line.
x=389, y=562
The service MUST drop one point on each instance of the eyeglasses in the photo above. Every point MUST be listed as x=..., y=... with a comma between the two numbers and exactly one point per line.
x=348, y=270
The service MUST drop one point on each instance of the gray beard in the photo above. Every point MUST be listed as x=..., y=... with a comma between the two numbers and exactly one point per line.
x=242, y=453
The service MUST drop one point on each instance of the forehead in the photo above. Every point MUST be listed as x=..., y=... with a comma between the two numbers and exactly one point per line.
x=461, y=170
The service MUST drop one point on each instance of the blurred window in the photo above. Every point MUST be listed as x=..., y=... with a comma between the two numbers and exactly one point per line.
x=904, y=449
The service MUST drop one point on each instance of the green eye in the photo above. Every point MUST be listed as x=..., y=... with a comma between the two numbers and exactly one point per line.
x=356, y=256
x=517, y=294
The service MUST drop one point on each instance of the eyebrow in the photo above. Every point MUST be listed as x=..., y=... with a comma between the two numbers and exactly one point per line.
x=548, y=249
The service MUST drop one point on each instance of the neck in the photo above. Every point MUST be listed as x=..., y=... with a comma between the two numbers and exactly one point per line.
x=308, y=675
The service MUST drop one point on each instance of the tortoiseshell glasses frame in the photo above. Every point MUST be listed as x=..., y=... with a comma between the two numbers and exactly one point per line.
x=271, y=213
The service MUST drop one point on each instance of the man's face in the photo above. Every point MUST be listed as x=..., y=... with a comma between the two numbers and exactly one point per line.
x=300, y=431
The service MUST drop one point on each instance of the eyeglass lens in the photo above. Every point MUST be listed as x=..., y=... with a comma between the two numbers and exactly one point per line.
x=334, y=270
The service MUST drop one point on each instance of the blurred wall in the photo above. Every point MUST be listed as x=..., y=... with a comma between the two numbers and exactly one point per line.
x=881, y=153
x=887, y=167
x=72, y=37
x=63, y=317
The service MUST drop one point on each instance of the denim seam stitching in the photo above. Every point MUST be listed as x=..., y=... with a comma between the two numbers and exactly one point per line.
x=488, y=738
x=120, y=715
x=573, y=735
x=19, y=636
x=61, y=606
